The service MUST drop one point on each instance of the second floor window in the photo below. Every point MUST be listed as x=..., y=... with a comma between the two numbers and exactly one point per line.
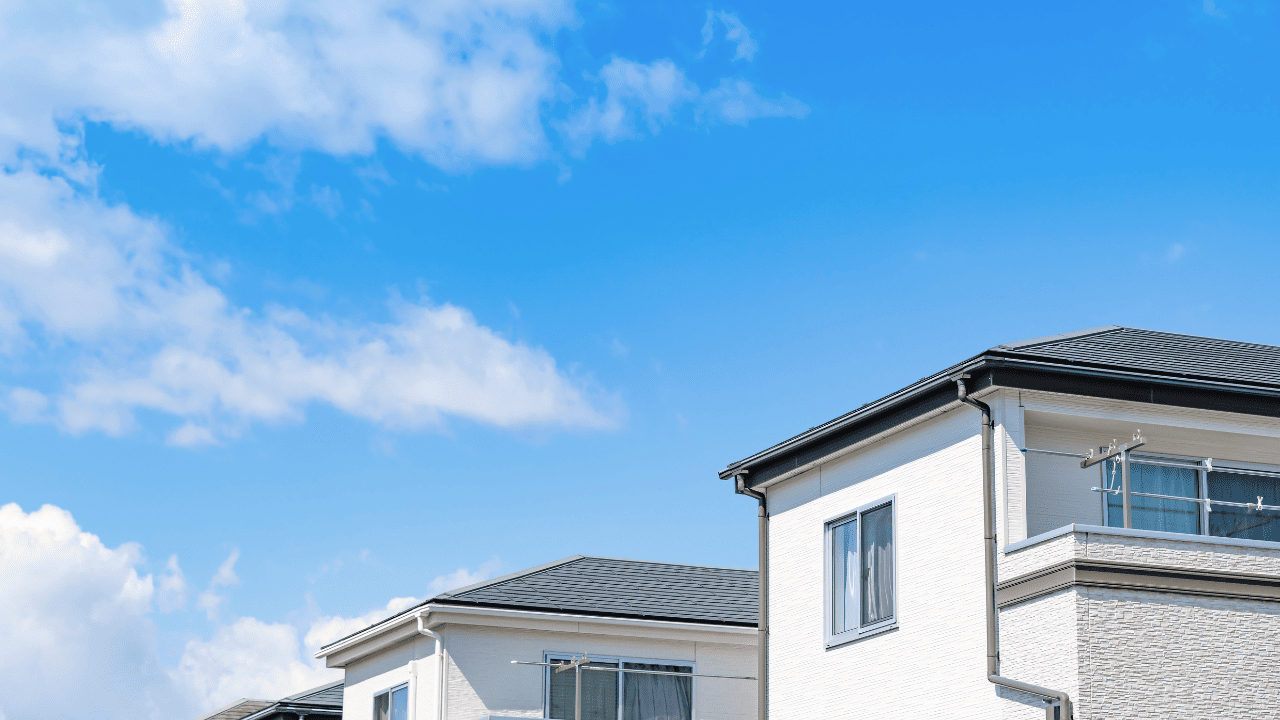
x=615, y=694
x=1195, y=497
x=392, y=704
x=861, y=572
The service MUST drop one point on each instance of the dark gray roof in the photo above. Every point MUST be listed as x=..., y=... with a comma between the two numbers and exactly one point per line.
x=318, y=702
x=622, y=588
x=330, y=694
x=238, y=710
x=1110, y=362
x=1186, y=356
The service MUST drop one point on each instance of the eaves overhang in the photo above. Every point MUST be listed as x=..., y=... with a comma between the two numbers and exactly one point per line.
x=996, y=368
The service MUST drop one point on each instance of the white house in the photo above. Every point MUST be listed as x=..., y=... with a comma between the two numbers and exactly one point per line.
x=662, y=642
x=1085, y=525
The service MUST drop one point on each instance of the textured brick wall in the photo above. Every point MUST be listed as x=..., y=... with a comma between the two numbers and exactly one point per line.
x=1146, y=654
x=1154, y=655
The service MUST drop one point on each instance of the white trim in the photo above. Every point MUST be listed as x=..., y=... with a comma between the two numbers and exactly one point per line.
x=831, y=639
x=1145, y=534
x=549, y=655
x=396, y=621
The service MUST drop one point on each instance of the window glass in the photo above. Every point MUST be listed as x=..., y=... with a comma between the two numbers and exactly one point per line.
x=877, y=565
x=1244, y=523
x=656, y=697
x=382, y=707
x=844, y=577
x=400, y=703
x=599, y=692
x=1180, y=516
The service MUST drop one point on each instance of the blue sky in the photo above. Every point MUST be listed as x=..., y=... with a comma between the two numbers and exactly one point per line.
x=336, y=308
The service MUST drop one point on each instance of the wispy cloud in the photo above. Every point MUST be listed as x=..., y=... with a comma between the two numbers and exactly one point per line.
x=735, y=32
x=463, y=577
x=210, y=601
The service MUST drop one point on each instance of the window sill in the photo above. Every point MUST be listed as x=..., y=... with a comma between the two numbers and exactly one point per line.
x=833, y=643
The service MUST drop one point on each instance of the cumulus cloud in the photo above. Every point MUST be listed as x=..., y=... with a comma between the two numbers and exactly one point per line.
x=247, y=658
x=139, y=327
x=329, y=628
x=456, y=81
x=75, y=613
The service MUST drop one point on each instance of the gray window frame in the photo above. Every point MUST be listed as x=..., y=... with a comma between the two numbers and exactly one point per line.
x=550, y=655
x=387, y=691
x=832, y=639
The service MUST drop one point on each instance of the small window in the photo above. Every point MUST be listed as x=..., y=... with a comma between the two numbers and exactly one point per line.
x=861, y=572
x=392, y=704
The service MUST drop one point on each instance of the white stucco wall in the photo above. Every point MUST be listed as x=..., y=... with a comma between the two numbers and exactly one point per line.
x=482, y=681
x=932, y=665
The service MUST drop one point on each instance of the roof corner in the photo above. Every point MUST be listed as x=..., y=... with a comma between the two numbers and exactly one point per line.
x=1050, y=339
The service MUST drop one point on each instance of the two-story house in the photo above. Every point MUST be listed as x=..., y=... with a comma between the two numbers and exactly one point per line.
x=584, y=638
x=1085, y=525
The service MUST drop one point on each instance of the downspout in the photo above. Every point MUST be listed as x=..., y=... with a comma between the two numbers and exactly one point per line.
x=442, y=689
x=762, y=616
x=988, y=527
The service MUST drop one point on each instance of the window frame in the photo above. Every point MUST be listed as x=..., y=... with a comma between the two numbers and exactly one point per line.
x=551, y=655
x=387, y=692
x=832, y=639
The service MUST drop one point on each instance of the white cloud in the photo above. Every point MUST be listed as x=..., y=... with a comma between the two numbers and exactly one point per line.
x=172, y=593
x=736, y=102
x=640, y=98
x=463, y=577
x=248, y=658
x=137, y=327
x=745, y=47
x=457, y=81
x=739, y=35
x=1175, y=252
x=327, y=629
x=75, y=613
x=210, y=601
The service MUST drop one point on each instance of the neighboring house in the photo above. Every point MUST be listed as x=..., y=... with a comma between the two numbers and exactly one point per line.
x=1146, y=585
x=451, y=657
x=321, y=703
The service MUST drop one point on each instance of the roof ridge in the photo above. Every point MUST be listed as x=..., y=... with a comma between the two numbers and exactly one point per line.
x=235, y=704
x=666, y=562
x=313, y=691
x=512, y=576
x=1050, y=339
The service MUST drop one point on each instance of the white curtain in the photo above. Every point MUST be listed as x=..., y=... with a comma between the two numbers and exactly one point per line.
x=877, y=565
x=844, y=577
x=657, y=697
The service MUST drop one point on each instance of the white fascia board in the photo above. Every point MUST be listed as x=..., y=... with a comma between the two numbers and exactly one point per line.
x=401, y=627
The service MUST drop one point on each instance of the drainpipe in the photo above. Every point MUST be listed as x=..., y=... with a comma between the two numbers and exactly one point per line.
x=1062, y=699
x=442, y=689
x=762, y=653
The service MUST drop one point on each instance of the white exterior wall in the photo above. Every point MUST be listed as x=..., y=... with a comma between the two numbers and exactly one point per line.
x=1137, y=654
x=933, y=664
x=482, y=681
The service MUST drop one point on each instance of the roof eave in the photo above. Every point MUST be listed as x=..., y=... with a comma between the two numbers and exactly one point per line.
x=990, y=359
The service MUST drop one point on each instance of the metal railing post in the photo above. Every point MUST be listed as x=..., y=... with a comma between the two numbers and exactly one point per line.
x=577, y=692
x=1124, y=489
